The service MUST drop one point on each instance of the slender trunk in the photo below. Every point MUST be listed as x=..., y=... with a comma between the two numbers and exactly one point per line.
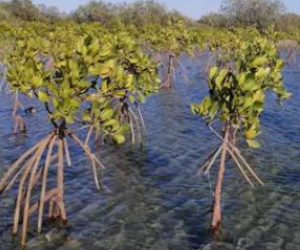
x=168, y=83
x=170, y=72
x=216, y=220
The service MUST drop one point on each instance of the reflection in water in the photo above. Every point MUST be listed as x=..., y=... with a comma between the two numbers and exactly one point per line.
x=156, y=200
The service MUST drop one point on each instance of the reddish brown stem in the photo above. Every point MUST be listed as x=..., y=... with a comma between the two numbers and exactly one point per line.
x=217, y=214
x=168, y=83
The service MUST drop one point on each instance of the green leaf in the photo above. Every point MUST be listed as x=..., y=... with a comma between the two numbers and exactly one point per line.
x=55, y=102
x=120, y=139
x=221, y=77
x=75, y=103
x=131, y=98
x=279, y=64
x=37, y=82
x=286, y=95
x=213, y=72
x=141, y=98
x=263, y=72
x=195, y=109
x=21, y=43
x=107, y=114
x=105, y=50
x=86, y=116
x=249, y=101
x=251, y=133
x=43, y=96
x=104, y=86
x=253, y=144
x=120, y=93
x=69, y=119
x=247, y=82
x=129, y=80
x=80, y=46
x=259, y=61
x=111, y=123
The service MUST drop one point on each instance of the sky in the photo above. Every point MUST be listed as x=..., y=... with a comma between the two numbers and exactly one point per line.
x=190, y=8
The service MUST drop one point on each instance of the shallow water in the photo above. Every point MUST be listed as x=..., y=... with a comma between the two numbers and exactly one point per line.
x=156, y=199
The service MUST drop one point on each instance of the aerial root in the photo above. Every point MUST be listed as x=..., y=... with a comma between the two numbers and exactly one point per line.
x=237, y=157
x=67, y=152
x=33, y=167
x=87, y=139
x=19, y=125
x=43, y=197
x=240, y=168
x=250, y=169
x=141, y=117
x=94, y=160
x=137, y=122
x=131, y=129
x=206, y=162
x=18, y=166
x=211, y=163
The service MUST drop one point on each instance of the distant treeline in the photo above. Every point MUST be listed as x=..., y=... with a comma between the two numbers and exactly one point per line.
x=233, y=13
x=138, y=13
x=260, y=14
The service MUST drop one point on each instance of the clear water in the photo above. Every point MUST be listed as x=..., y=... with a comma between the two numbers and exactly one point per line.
x=156, y=199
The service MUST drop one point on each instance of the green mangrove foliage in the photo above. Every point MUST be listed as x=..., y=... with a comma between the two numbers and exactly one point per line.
x=236, y=99
x=89, y=77
x=167, y=43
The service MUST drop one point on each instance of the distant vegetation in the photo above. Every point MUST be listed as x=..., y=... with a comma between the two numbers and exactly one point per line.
x=254, y=13
x=259, y=14
x=238, y=13
x=138, y=13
